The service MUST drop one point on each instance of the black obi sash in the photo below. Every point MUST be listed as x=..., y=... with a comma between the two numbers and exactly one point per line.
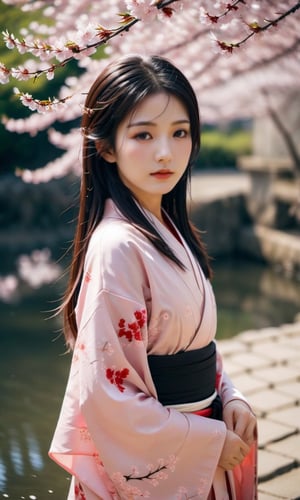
x=184, y=377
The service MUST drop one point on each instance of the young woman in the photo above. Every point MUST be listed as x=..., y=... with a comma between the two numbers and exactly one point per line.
x=148, y=410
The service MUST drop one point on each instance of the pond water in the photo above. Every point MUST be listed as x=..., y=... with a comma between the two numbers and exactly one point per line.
x=34, y=367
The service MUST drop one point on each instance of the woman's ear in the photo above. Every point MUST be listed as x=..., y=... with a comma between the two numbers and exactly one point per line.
x=109, y=156
x=106, y=152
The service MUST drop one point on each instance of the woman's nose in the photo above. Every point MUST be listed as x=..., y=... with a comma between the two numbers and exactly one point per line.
x=163, y=151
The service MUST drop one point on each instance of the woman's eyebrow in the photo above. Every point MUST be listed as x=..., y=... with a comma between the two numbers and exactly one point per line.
x=144, y=123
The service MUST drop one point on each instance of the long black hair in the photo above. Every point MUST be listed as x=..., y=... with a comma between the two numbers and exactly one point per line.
x=116, y=92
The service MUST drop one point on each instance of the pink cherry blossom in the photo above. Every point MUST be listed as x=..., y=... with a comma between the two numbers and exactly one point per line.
x=50, y=73
x=8, y=287
x=142, y=9
x=9, y=40
x=4, y=73
x=20, y=73
x=37, y=268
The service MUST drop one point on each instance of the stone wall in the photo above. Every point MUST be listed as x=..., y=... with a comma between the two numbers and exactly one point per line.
x=221, y=221
x=35, y=216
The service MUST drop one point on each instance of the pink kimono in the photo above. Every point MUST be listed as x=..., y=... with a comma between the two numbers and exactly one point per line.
x=113, y=436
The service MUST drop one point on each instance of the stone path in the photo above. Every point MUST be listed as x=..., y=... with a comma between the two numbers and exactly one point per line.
x=207, y=186
x=265, y=366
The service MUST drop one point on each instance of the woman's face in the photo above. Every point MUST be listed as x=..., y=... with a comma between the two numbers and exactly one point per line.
x=152, y=148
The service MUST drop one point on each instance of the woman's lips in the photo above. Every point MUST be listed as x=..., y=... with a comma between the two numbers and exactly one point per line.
x=162, y=174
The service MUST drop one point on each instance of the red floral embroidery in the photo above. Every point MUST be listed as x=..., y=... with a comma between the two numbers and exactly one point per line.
x=133, y=330
x=117, y=377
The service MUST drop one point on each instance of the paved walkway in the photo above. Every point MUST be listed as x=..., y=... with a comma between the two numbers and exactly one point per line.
x=265, y=365
x=209, y=185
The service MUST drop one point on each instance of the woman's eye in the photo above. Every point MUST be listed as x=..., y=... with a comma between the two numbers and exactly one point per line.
x=181, y=133
x=143, y=136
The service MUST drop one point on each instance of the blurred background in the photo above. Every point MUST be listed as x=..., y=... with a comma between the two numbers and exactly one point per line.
x=245, y=197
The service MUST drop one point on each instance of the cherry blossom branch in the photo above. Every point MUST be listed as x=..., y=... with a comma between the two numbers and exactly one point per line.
x=146, y=476
x=40, y=105
x=161, y=4
x=37, y=47
x=229, y=8
x=257, y=29
x=254, y=27
x=261, y=63
x=164, y=3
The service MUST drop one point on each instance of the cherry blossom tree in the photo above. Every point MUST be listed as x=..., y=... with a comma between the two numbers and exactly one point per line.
x=234, y=53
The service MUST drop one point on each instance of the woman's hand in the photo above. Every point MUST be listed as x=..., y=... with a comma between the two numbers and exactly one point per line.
x=239, y=418
x=233, y=452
